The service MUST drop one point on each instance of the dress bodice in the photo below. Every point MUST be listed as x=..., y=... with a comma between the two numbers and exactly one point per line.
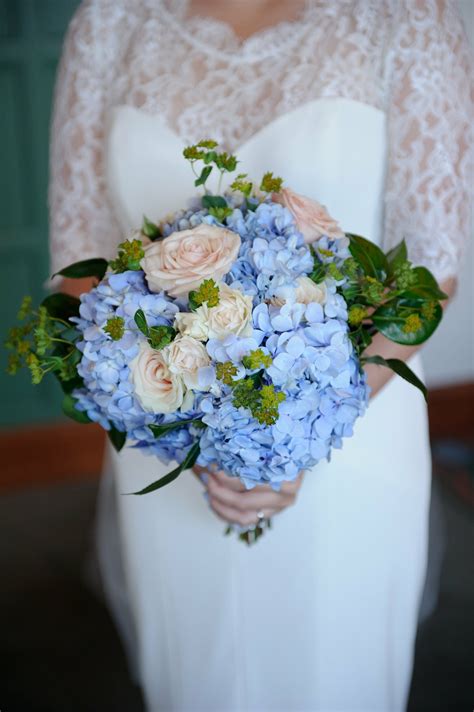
x=332, y=150
x=406, y=61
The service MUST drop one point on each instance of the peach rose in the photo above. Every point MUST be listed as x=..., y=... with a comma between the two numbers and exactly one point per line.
x=312, y=219
x=158, y=389
x=185, y=357
x=233, y=314
x=181, y=261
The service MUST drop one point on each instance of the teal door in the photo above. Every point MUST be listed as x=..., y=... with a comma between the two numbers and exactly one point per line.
x=31, y=35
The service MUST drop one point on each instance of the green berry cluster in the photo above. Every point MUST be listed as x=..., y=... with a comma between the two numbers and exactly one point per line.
x=262, y=402
x=207, y=293
x=271, y=183
x=41, y=344
x=225, y=372
x=129, y=256
x=115, y=327
x=257, y=359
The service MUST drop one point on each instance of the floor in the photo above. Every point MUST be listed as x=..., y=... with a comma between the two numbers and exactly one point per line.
x=59, y=651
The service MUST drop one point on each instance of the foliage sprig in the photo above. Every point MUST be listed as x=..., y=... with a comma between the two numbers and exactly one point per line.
x=130, y=254
x=207, y=293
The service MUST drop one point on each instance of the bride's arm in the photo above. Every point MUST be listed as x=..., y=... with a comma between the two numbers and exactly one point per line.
x=378, y=376
x=82, y=224
x=428, y=193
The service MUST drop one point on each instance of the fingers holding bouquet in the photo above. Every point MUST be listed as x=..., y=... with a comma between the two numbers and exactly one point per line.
x=235, y=504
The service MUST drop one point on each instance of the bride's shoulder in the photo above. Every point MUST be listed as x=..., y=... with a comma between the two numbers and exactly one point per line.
x=109, y=12
x=102, y=24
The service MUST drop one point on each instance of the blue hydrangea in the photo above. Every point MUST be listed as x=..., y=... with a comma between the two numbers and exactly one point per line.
x=313, y=362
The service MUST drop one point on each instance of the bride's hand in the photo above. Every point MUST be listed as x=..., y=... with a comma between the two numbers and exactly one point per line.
x=233, y=503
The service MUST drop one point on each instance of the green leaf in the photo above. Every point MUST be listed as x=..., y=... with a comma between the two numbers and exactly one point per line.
x=150, y=229
x=252, y=205
x=69, y=409
x=61, y=306
x=209, y=157
x=396, y=256
x=426, y=285
x=388, y=322
x=72, y=383
x=399, y=367
x=319, y=272
x=160, y=430
x=140, y=321
x=188, y=462
x=205, y=173
x=116, y=437
x=368, y=256
x=161, y=336
x=213, y=201
x=95, y=267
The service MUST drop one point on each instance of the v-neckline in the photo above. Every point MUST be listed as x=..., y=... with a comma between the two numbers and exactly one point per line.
x=200, y=31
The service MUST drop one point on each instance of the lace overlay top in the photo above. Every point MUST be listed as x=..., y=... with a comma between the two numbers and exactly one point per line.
x=408, y=58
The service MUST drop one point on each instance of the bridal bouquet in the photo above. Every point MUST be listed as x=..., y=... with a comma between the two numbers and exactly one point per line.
x=231, y=333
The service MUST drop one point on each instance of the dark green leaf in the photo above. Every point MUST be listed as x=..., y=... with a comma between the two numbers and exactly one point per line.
x=193, y=303
x=319, y=272
x=161, y=336
x=361, y=338
x=220, y=213
x=396, y=256
x=368, y=256
x=252, y=205
x=204, y=176
x=69, y=385
x=150, y=229
x=140, y=321
x=388, y=322
x=209, y=157
x=95, y=267
x=400, y=368
x=61, y=306
x=426, y=284
x=213, y=201
x=160, y=430
x=188, y=462
x=116, y=437
x=69, y=409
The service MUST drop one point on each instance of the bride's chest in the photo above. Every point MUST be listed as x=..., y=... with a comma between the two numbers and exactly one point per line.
x=332, y=150
x=201, y=81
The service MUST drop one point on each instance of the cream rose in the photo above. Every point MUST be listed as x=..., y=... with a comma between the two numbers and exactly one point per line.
x=305, y=292
x=312, y=219
x=308, y=291
x=186, y=356
x=193, y=323
x=233, y=314
x=158, y=389
x=181, y=261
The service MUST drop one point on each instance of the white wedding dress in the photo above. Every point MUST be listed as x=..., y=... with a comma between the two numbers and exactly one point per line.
x=364, y=106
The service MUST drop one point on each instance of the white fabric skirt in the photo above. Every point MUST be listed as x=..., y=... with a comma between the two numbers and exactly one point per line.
x=320, y=614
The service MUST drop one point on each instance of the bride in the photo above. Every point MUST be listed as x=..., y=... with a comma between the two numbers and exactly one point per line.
x=364, y=106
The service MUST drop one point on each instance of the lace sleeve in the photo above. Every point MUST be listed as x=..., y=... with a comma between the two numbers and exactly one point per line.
x=429, y=135
x=81, y=221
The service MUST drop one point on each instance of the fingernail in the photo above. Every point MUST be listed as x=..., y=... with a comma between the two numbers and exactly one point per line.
x=204, y=477
x=205, y=494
